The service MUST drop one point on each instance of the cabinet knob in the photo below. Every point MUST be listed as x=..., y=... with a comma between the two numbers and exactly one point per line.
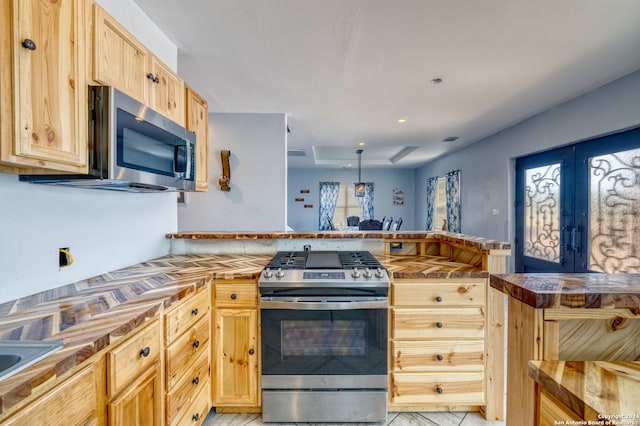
x=196, y=417
x=439, y=324
x=438, y=299
x=439, y=389
x=194, y=312
x=196, y=344
x=153, y=78
x=439, y=357
x=196, y=381
x=27, y=43
x=252, y=351
x=234, y=296
x=145, y=352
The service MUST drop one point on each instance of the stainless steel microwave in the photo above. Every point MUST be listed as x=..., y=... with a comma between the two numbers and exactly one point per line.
x=131, y=148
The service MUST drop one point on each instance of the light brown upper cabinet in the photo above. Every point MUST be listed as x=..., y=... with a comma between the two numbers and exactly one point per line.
x=120, y=60
x=43, y=91
x=198, y=122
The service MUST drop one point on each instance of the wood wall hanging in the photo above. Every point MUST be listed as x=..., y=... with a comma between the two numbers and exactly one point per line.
x=226, y=172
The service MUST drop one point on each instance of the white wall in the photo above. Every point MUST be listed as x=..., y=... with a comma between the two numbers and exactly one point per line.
x=487, y=167
x=257, y=199
x=105, y=230
x=129, y=14
x=384, y=180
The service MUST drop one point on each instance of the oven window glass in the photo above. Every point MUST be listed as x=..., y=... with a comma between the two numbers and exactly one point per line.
x=324, y=338
x=310, y=342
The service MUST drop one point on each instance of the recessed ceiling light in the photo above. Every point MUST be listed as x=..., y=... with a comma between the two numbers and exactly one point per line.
x=402, y=120
x=436, y=80
x=361, y=143
x=349, y=165
x=450, y=139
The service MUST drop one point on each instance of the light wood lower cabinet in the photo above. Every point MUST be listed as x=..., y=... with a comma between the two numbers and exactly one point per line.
x=187, y=366
x=437, y=344
x=236, y=349
x=73, y=402
x=134, y=387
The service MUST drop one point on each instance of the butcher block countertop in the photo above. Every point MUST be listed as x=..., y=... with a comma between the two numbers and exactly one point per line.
x=449, y=237
x=608, y=390
x=557, y=290
x=92, y=314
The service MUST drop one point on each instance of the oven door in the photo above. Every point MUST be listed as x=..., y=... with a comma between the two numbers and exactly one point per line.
x=328, y=342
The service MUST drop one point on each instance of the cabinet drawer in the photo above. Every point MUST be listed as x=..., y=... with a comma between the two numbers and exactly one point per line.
x=130, y=359
x=439, y=294
x=197, y=413
x=245, y=294
x=178, y=320
x=183, y=396
x=181, y=353
x=437, y=355
x=443, y=323
x=438, y=388
x=71, y=403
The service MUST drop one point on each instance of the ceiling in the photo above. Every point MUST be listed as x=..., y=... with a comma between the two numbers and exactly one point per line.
x=344, y=71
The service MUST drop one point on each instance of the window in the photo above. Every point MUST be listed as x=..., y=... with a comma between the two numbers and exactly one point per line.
x=347, y=205
x=440, y=211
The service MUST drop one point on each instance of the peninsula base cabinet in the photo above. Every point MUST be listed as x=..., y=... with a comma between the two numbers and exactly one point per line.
x=439, y=332
x=236, y=385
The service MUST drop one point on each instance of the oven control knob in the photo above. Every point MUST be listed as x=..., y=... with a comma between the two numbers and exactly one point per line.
x=267, y=273
x=279, y=273
x=367, y=273
x=355, y=273
x=379, y=273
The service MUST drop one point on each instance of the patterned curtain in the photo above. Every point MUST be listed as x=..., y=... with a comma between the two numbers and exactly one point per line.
x=366, y=202
x=453, y=201
x=328, y=200
x=432, y=186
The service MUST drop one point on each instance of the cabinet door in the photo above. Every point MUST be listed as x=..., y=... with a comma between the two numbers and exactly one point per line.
x=235, y=357
x=198, y=122
x=167, y=91
x=50, y=94
x=139, y=404
x=74, y=402
x=119, y=59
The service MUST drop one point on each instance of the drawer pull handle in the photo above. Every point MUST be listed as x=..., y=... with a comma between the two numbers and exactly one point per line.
x=233, y=296
x=196, y=381
x=439, y=357
x=194, y=312
x=196, y=417
x=196, y=344
x=439, y=324
x=145, y=352
x=251, y=351
x=438, y=299
x=439, y=389
x=27, y=43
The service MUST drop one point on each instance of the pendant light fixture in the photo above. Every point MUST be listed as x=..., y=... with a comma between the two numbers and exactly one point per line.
x=359, y=186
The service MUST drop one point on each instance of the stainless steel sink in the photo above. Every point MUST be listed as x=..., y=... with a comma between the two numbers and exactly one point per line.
x=16, y=355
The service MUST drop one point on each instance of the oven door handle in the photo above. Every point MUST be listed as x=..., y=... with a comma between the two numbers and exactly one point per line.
x=322, y=305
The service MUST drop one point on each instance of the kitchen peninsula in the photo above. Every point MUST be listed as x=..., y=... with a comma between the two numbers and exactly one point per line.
x=98, y=317
x=565, y=317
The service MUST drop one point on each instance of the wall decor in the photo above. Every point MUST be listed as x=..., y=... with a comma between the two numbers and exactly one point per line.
x=308, y=206
x=299, y=199
x=304, y=191
x=398, y=196
x=226, y=172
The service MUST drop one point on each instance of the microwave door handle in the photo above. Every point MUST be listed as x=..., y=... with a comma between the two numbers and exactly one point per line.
x=323, y=305
x=180, y=151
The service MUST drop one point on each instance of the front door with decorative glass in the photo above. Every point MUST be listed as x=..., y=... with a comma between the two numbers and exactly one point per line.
x=578, y=207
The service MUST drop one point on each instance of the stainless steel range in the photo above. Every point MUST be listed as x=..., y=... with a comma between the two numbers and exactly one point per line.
x=324, y=337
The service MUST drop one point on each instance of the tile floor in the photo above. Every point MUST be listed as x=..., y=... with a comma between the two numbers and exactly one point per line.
x=393, y=419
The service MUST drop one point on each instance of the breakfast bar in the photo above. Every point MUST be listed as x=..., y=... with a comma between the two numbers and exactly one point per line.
x=564, y=317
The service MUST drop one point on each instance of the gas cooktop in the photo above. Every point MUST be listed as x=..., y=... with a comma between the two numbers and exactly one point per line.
x=323, y=260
